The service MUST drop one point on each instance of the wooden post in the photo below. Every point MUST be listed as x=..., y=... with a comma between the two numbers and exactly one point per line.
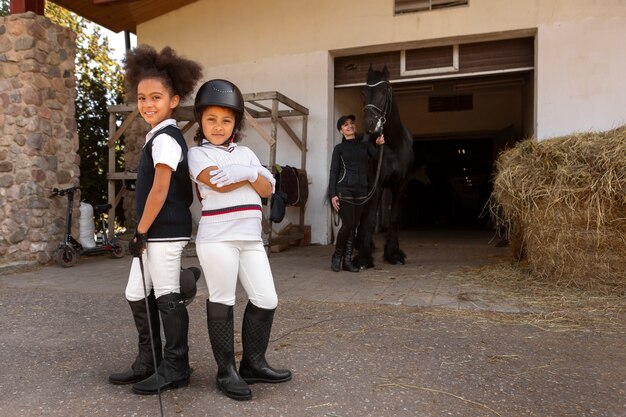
x=23, y=6
x=274, y=132
x=305, y=120
x=110, y=183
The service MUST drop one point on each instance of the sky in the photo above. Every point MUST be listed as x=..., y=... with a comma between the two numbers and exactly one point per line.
x=117, y=43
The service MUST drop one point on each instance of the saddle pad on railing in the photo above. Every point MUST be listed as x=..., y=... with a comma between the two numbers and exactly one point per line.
x=294, y=183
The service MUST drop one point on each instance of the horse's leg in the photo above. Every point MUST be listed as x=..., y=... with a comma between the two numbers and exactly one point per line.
x=393, y=254
x=365, y=234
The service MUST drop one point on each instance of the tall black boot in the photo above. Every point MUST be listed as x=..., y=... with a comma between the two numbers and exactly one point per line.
x=221, y=334
x=335, y=261
x=173, y=372
x=255, y=336
x=347, y=257
x=143, y=366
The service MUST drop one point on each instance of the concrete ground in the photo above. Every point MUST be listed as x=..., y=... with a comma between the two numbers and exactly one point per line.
x=407, y=340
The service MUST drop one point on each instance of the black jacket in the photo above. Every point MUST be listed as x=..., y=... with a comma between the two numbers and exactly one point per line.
x=348, y=167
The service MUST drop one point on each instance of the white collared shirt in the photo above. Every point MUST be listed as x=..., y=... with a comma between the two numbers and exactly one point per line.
x=165, y=149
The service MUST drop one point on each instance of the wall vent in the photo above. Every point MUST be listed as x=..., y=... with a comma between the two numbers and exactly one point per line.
x=409, y=6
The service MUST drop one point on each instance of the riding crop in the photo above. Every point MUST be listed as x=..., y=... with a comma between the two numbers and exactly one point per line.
x=143, y=280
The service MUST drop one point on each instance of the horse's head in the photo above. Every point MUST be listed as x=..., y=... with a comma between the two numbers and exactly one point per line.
x=377, y=98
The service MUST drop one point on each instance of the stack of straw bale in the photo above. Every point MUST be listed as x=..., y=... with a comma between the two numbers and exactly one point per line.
x=562, y=202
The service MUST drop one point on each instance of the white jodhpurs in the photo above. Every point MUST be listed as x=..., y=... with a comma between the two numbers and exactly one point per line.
x=161, y=266
x=223, y=262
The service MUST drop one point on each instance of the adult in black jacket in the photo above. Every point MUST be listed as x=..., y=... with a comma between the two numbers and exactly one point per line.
x=348, y=187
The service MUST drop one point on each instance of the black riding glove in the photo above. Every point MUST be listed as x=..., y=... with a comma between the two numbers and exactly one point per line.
x=138, y=244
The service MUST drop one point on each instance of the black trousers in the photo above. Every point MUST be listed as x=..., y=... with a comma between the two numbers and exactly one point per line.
x=350, y=209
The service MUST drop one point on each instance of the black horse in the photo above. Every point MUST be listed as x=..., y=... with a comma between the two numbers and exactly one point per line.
x=380, y=115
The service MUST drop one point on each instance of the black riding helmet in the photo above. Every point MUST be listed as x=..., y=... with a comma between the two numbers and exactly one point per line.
x=221, y=93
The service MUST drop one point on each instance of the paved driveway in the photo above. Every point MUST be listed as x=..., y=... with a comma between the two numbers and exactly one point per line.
x=412, y=340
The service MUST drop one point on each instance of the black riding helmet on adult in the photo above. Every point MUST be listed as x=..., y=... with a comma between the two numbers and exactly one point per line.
x=220, y=93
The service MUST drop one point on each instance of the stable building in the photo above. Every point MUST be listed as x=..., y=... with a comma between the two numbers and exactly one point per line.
x=471, y=77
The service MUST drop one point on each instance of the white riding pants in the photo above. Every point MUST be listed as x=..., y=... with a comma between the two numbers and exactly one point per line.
x=161, y=266
x=223, y=262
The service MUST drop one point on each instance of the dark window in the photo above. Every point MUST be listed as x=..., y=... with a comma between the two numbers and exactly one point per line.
x=408, y=6
x=450, y=103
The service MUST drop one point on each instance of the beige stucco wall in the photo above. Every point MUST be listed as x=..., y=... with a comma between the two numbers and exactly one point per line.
x=288, y=45
x=581, y=81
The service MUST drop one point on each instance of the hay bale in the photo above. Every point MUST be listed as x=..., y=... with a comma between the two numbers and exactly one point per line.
x=562, y=202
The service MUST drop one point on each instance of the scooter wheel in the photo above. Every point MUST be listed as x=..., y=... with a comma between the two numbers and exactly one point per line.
x=67, y=257
x=117, y=252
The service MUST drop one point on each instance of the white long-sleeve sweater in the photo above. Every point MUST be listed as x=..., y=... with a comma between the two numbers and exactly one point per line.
x=241, y=203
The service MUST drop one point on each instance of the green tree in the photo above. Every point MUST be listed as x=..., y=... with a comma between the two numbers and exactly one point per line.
x=99, y=84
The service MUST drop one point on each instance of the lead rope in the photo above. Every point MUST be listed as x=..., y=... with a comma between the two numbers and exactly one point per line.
x=143, y=280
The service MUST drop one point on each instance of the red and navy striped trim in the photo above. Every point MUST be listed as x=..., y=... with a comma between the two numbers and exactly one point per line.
x=232, y=209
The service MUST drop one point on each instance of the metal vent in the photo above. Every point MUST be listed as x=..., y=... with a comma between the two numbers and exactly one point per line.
x=408, y=6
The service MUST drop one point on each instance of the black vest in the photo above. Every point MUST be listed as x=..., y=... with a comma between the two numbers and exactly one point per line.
x=174, y=220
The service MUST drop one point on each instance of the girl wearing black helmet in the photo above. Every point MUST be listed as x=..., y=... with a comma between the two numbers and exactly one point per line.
x=230, y=182
x=348, y=182
x=159, y=81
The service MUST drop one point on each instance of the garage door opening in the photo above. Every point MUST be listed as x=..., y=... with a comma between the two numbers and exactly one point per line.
x=451, y=183
x=459, y=127
x=463, y=102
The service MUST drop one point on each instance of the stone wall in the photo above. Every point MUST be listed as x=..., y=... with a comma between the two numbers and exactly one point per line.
x=38, y=136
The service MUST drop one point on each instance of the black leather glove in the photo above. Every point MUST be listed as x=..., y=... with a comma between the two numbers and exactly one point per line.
x=138, y=244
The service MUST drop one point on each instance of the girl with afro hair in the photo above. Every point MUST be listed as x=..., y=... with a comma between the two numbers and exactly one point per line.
x=159, y=81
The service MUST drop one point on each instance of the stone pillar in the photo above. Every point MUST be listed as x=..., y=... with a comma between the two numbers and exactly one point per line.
x=38, y=136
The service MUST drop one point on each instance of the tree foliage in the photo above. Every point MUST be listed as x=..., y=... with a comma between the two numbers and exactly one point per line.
x=99, y=84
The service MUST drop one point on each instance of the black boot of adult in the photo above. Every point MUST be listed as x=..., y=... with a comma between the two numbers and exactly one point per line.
x=335, y=261
x=221, y=334
x=143, y=366
x=255, y=336
x=347, y=257
x=174, y=371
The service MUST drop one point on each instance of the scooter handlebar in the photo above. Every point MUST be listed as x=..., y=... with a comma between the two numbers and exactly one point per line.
x=63, y=191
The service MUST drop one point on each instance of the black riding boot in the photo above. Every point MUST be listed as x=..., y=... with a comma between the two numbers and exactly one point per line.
x=335, y=261
x=173, y=372
x=221, y=334
x=347, y=257
x=255, y=335
x=143, y=366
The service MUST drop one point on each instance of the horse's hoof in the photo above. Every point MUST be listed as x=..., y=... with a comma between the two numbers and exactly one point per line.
x=364, y=265
x=395, y=261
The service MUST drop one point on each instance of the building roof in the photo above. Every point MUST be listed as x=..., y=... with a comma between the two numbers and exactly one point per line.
x=121, y=15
